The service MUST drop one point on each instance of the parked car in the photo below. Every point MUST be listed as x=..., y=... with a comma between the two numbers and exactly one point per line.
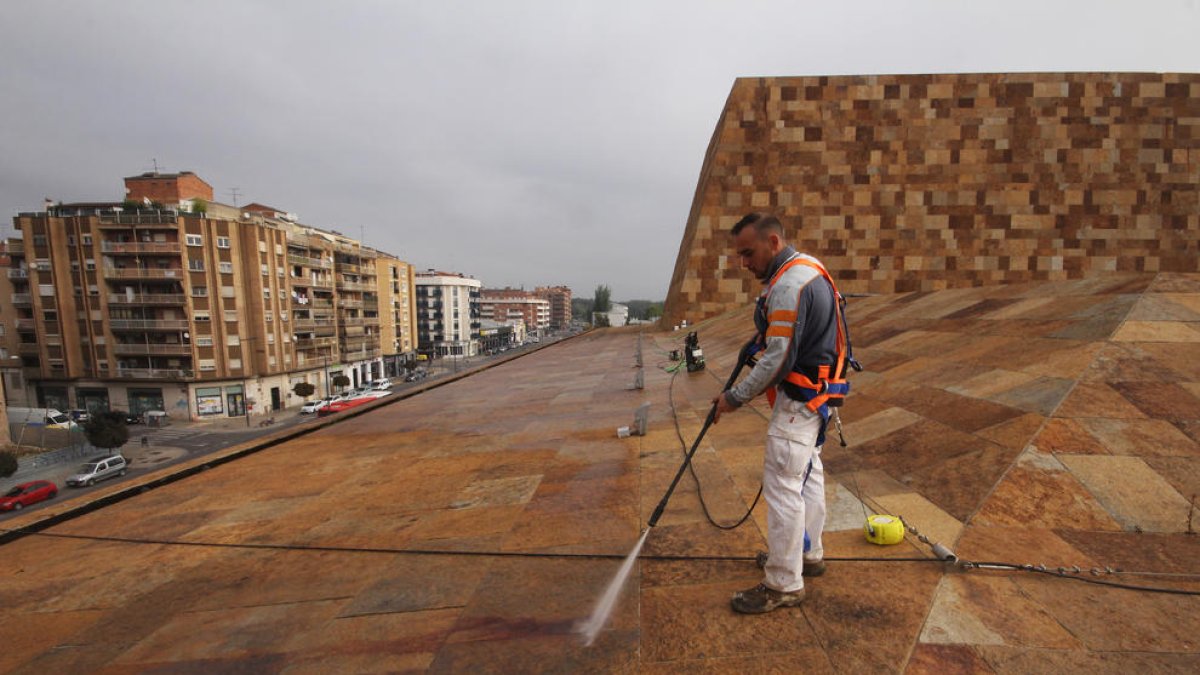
x=416, y=375
x=381, y=385
x=133, y=418
x=27, y=494
x=312, y=407
x=98, y=469
x=78, y=416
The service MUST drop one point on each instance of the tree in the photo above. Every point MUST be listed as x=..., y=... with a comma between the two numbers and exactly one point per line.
x=106, y=430
x=199, y=206
x=8, y=464
x=341, y=381
x=602, y=300
x=304, y=389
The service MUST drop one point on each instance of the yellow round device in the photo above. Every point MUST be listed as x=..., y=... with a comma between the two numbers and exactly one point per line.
x=884, y=530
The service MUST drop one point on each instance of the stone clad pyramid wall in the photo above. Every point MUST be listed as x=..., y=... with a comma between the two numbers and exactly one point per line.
x=924, y=182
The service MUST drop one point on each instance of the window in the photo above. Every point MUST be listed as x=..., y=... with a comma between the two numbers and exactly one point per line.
x=86, y=239
x=204, y=341
x=208, y=364
x=231, y=315
x=278, y=249
x=266, y=294
x=50, y=315
x=201, y=317
x=233, y=340
x=235, y=364
x=196, y=264
x=226, y=267
x=74, y=265
x=199, y=291
x=222, y=242
x=265, y=271
x=195, y=240
x=70, y=240
x=39, y=240
x=89, y=265
x=45, y=290
x=227, y=291
x=270, y=338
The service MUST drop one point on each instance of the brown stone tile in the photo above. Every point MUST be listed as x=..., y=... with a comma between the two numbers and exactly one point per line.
x=1040, y=396
x=1067, y=436
x=1142, y=438
x=688, y=622
x=809, y=659
x=1021, y=545
x=1097, y=400
x=865, y=631
x=1183, y=473
x=1015, y=433
x=374, y=643
x=932, y=659
x=1133, y=493
x=979, y=610
x=958, y=485
x=1148, y=622
x=535, y=651
x=1162, y=400
x=1019, y=660
x=417, y=583
x=29, y=634
x=1138, y=552
x=1043, y=498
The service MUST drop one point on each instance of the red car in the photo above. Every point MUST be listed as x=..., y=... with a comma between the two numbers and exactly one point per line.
x=27, y=494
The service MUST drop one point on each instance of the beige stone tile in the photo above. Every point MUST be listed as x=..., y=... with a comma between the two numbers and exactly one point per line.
x=880, y=424
x=1157, y=331
x=1133, y=493
x=922, y=514
x=990, y=610
x=1142, y=438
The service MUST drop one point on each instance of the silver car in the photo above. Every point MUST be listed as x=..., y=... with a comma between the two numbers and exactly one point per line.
x=98, y=469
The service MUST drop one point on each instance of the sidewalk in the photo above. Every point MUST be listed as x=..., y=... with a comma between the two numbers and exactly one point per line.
x=222, y=424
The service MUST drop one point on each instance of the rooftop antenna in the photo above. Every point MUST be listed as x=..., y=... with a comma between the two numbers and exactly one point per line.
x=155, y=160
x=234, y=193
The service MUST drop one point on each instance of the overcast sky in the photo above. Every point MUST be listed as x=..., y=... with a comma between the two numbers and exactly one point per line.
x=521, y=143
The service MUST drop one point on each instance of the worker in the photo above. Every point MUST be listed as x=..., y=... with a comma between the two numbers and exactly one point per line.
x=797, y=319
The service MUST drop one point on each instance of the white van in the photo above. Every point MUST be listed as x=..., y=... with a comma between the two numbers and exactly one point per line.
x=98, y=469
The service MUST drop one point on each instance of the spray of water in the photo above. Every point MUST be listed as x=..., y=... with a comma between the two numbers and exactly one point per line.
x=608, y=602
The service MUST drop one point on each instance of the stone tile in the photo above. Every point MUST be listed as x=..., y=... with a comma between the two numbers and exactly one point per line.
x=29, y=634
x=1138, y=552
x=1046, y=499
x=1067, y=436
x=1015, y=433
x=1040, y=396
x=958, y=485
x=934, y=659
x=1022, y=545
x=1166, y=307
x=1133, y=493
x=689, y=622
x=417, y=583
x=989, y=383
x=879, y=424
x=1163, y=400
x=1018, y=660
x=1157, y=331
x=1142, y=438
x=989, y=610
x=918, y=512
x=1183, y=473
x=810, y=659
x=1154, y=623
x=375, y=643
x=1097, y=400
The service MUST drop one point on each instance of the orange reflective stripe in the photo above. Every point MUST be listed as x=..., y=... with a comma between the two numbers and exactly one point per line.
x=780, y=331
x=782, y=315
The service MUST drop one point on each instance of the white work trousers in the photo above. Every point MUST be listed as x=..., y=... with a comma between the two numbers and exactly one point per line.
x=793, y=503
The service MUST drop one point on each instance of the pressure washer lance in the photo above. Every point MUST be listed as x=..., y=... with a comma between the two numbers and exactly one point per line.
x=591, y=628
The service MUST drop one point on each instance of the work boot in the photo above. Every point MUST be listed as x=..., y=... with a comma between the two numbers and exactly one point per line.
x=760, y=600
x=812, y=568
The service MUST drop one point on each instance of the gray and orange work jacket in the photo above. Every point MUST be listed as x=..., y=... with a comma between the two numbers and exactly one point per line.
x=803, y=345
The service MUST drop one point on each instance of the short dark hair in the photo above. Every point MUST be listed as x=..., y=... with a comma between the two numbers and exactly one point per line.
x=761, y=222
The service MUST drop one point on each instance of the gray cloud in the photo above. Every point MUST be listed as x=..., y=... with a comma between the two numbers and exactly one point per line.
x=521, y=142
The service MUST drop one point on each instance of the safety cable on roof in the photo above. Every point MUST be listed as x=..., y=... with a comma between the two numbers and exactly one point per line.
x=1061, y=573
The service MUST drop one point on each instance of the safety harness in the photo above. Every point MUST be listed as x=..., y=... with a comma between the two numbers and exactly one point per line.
x=830, y=387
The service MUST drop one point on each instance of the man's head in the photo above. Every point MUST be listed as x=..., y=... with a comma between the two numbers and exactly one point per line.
x=757, y=239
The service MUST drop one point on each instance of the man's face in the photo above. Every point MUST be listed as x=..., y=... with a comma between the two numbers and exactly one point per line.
x=756, y=251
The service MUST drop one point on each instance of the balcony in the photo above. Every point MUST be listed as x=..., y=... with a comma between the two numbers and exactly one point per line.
x=321, y=304
x=349, y=302
x=312, y=323
x=138, y=248
x=344, y=285
x=142, y=348
x=18, y=273
x=318, y=263
x=352, y=321
x=22, y=299
x=26, y=324
x=313, y=343
x=148, y=324
x=15, y=247
x=168, y=219
x=143, y=273
x=315, y=282
x=153, y=374
x=29, y=348
x=147, y=299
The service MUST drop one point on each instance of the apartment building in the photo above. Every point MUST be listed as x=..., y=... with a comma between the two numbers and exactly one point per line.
x=448, y=314
x=169, y=301
x=560, y=304
x=507, y=304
